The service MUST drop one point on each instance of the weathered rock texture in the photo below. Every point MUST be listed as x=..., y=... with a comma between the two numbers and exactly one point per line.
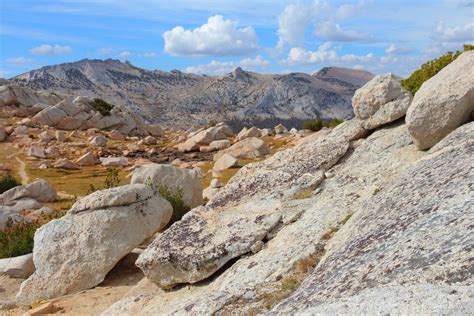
x=76, y=252
x=239, y=96
x=380, y=101
x=197, y=246
x=443, y=102
x=175, y=179
x=367, y=166
x=417, y=230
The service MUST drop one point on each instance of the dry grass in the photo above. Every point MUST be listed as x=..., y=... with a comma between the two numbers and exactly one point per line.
x=302, y=194
x=225, y=176
x=290, y=282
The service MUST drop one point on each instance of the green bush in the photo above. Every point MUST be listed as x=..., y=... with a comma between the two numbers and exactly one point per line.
x=332, y=123
x=8, y=182
x=429, y=69
x=102, y=107
x=175, y=197
x=314, y=125
x=17, y=240
x=112, y=180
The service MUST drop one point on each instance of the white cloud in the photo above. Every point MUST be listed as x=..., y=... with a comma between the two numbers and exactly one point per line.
x=19, y=60
x=461, y=33
x=299, y=55
x=219, y=68
x=346, y=11
x=395, y=50
x=292, y=23
x=148, y=55
x=218, y=37
x=104, y=51
x=47, y=49
x=324, y=54
x=334, y=32
x=125, y=54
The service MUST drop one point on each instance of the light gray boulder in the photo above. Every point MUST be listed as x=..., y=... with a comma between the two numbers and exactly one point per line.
x=249, y=148
x=78, y=250
x=280, y=129
x=40, y=190
x=226, y=161
x=380, y=101
x=427, y=240
x=251, y=132
x=99, y=140
x=199, y=245
x=18, y=267
x=113, y=161
x=175, y=179
x=443, y=102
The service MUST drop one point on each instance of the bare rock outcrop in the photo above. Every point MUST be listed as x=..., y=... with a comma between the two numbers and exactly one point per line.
x=425, y=241
x=380, y=101
x=443, y=102
x=79, y=249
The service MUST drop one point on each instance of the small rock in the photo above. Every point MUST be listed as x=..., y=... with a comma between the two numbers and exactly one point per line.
x=225, y=162
x=87, y=159
x=65, y=163
x=256, y=247
x=100, y=141
x=215, y=183
x=114, y=162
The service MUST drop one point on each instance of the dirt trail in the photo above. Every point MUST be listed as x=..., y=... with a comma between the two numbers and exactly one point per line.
x=23, y=175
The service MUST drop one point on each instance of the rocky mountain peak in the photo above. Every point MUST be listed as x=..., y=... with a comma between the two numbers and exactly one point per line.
x=240, y=97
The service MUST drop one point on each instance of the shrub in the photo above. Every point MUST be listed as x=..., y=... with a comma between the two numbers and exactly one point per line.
x=102, y=107
x=17, y=240
x=429, y=69
x=175, y=197
x=112, y=180
x=332, y=123
x=314, y=125
x=8, y=182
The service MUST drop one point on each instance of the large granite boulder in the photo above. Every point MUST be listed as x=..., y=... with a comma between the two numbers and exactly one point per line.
x=198, y=245
x=78, y=250
x=443, y=102
x=249, y=148
x=380, y=101
x=416, y=232
x=243, y=288
x=40, y=190
x=174, y=179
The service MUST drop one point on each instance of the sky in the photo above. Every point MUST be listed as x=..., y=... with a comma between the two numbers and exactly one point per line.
x=214, y=37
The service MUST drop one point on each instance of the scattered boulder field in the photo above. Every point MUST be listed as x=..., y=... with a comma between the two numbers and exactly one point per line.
x=373, y=216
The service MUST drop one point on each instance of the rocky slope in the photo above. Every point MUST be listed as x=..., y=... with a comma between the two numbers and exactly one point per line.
x=359, y=219
x=184, y=99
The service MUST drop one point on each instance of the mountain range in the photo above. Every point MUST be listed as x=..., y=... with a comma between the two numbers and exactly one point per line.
x=181, y=99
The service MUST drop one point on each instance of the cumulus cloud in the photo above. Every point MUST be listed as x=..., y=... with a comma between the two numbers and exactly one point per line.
x=395, y=50
x=47, y=49
x=218, y=67
x=292, y=24
x=461, y=33
x=324, y=54
x=19, y=60
x=218, y=37
x=334, y=32
x=148, y=55
x=125, y=54
x=104, y=51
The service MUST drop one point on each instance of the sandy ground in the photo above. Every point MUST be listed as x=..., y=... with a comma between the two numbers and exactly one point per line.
x=116, y=285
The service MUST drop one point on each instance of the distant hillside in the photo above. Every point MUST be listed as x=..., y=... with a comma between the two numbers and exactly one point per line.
x=180, y=99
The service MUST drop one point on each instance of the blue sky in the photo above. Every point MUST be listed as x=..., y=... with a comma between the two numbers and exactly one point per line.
x=213, y=37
